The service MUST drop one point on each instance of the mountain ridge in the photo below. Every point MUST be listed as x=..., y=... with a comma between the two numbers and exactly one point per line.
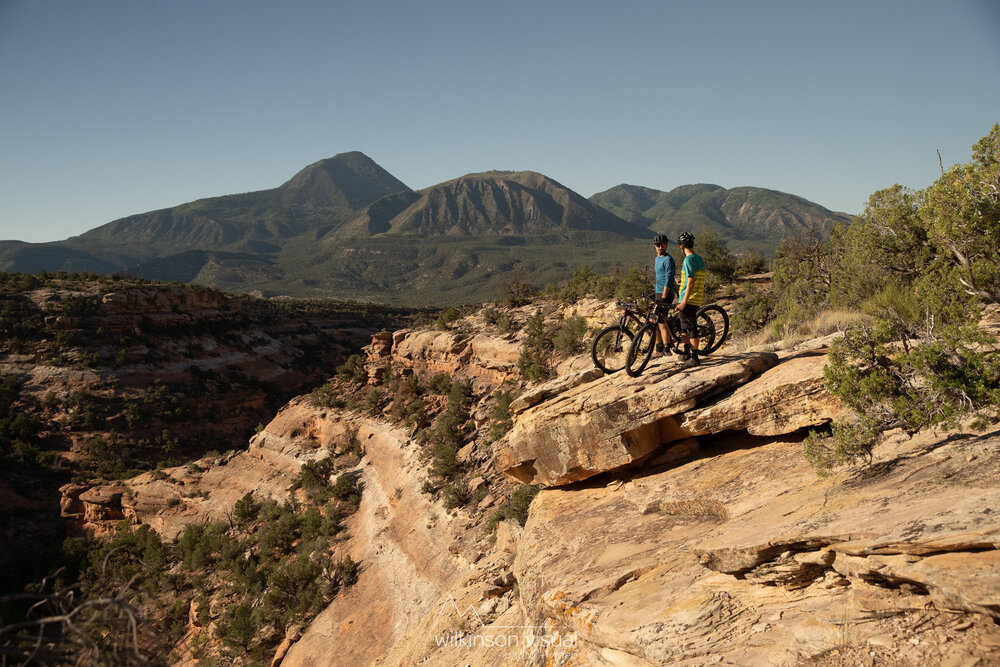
x=743, y=213
x=344, y=227
x=489, y=203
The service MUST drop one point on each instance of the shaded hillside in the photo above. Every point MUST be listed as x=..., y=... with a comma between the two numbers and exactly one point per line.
x=321, y=196
x=206, y=267
x=376, y=218
x=20, y=257
x=737, y=214
x=450, y=270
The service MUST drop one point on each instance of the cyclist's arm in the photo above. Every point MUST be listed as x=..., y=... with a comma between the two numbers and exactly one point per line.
x=668, y=285
x=687, y=293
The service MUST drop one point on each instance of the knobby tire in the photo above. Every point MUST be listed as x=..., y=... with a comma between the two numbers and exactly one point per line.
x=641, y=350
x=713, y=325
x=610, y=347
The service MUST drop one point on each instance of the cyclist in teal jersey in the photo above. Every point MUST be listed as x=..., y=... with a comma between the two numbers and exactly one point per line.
x=691, y=296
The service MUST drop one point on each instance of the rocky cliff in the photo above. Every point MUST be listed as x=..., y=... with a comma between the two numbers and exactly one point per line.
x=107, y=375
x=678, y=523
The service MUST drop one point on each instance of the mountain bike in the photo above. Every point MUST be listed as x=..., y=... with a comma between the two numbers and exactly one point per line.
x=611, y=344
x=713, y=329
x=610, y=347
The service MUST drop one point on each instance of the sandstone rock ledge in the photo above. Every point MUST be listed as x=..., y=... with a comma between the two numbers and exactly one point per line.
x=743, y=557
x=746, y=557
x=608, y=423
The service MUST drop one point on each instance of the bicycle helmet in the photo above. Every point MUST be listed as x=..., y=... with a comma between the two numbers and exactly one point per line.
x=660, y=239
x=686, y=240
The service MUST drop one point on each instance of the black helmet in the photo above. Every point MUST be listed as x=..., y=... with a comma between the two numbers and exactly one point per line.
x=660, y=239
x=686, y=240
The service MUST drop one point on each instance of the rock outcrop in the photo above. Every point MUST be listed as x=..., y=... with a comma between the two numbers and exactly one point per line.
x=403, y=540
x=782, y=400
x=206, y=490
x=750, y=543
x=616, y=420
x=483, y=359
x=744, y=556
x=710, y=541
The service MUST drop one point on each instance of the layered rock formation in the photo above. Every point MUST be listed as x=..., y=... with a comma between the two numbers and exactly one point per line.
x=576, y=427
x=744, y=556
x=711, y=541
x=680, y=524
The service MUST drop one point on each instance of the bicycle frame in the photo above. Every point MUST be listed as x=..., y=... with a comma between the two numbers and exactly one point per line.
x=633, y=313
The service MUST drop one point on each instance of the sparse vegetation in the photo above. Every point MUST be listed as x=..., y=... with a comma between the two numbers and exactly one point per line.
x=517, y=507
x=271, y=566
x=535, y=362
x=919, y=358
x=116, y=422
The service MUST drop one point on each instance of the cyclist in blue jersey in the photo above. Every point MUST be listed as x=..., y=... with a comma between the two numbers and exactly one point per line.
x=665, y=269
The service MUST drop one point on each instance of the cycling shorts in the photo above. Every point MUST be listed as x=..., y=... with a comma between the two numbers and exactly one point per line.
x=689, y=320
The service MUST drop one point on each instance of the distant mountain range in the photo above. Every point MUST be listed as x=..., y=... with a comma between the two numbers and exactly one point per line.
x=345, y=227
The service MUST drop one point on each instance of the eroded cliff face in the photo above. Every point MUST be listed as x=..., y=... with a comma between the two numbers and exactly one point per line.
x=679, y=524
x=744, y=556
x=682, y=525
x=114, y=374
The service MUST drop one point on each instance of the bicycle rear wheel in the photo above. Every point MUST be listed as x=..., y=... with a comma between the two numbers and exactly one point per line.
x=713, y=328
x=610, y=347
x=640, y=351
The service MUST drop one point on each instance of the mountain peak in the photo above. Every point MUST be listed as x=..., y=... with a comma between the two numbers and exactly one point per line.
x=348, y=180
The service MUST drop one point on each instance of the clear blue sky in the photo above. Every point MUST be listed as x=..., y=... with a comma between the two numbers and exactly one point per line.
x=110, y=108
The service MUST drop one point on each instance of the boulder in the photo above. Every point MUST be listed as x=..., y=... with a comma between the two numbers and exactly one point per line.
x=784, y=399
x=610, y=422
x=508, y=533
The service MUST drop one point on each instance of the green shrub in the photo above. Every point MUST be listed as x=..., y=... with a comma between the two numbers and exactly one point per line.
x=373, y=401
x=238, y=627
x=329, y=395
x=346, y=572
x=447, y=317
x=921, y=359
x=517, y=507
x=719, y=261
x=455, y=494
x=752, y=311
x=501, y=419
x=353, y=370
x=348, y=489
x=246, y=509
x=536, y=350
x=314, y=478
x=516, y=292
x=568, y=338
x=751, y=263
x=277, y=537
x=440, y=383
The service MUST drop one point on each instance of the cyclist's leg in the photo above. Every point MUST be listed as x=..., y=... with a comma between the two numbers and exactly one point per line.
x=664, y=330
x=689, y=325
x=662, y=335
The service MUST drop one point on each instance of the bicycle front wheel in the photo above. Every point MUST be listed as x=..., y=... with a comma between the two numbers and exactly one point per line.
x=610, y=347
x=713, y=328
x=640, y=351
